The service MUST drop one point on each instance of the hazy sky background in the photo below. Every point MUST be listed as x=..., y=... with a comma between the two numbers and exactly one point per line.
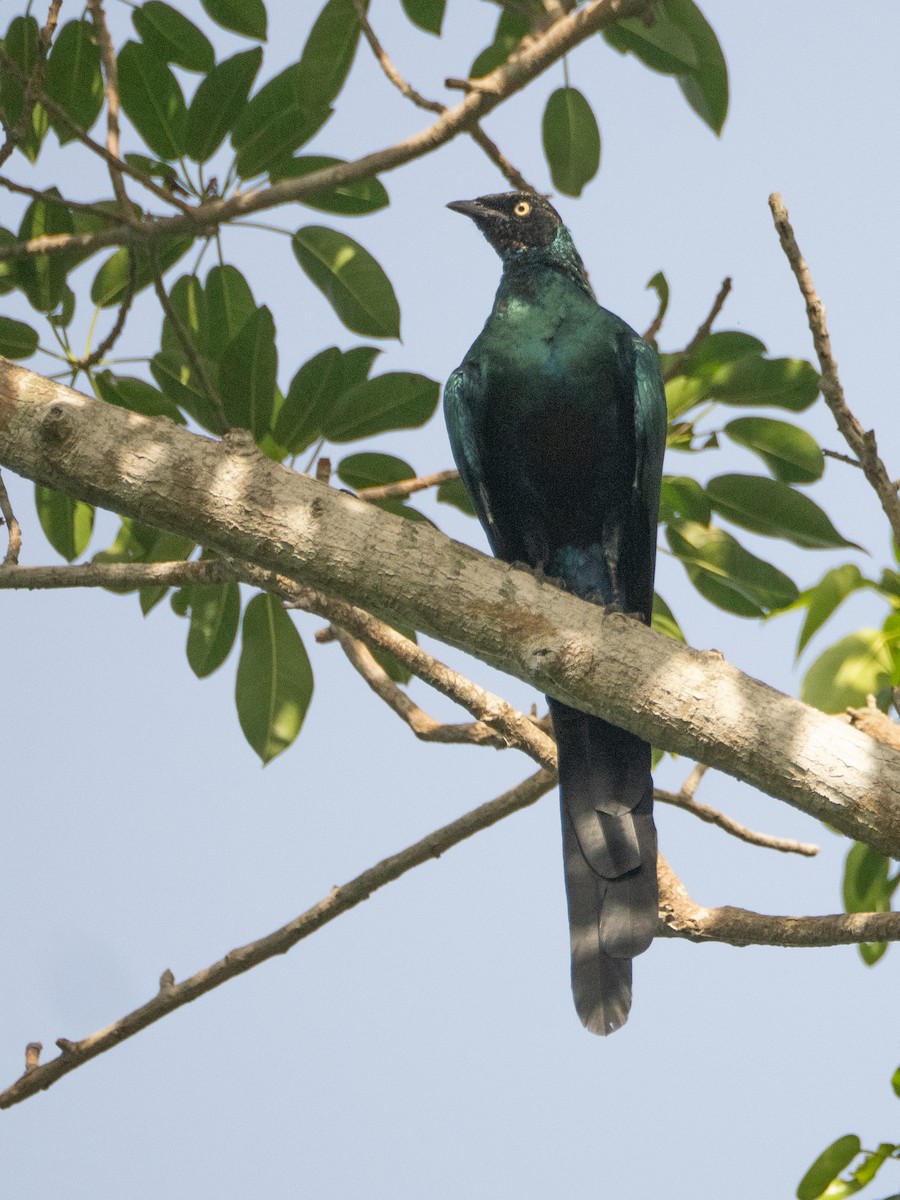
x=425, y=1045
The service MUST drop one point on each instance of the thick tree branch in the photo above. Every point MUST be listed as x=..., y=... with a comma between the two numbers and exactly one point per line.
x=861, y=441
x=228, y=496
x=492, y=91
x=174, y=995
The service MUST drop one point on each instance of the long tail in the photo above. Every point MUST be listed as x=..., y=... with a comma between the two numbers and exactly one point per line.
x=609, y=845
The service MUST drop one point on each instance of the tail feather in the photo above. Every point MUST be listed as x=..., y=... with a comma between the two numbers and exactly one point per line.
x=609, y=841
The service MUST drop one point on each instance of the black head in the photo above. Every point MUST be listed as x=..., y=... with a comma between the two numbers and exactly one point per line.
x=512, y=221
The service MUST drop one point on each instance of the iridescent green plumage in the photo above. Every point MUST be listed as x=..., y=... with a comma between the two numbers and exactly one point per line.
x=557, y=422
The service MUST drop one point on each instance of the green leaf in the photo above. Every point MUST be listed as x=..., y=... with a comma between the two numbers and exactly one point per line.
x=790, y=453
x=706, y=87
x=789, y=383
x=329, y=52
x=42, y=277
x=312, y=393
x=152, y=99
x=397, y=400
x=274, y=678
x=278, y=120
x=664, y=619
x=717, y=349
x=822, y=600
x=728, y=575
x=247, y=374
x=848, y=671
x=354, y=199
x=229, y=305
x=866, y=886
x=426, y=14
x=21, y=44
x=659, y=43
x=140, y=543
x=8, y=278
x=400, y=508
x=218, y=102
x=660, y=285
x=373, y=470
x=215, y=617
x=454, y=492
x=679, y=41
x=356, y=365
x=112, y=279
x=247, y=17
x=828, y=1166
x=73, y=77
x=188, y=302
x=895, y=1082
x=172, y=37
x=571, y=141
x=511, y=28
x=154, y=167
x=774, y=509
x=180, y=384
x=683, y=499
x=17, y=340
x=67, y=523
x=136, y=395
x=350, y=279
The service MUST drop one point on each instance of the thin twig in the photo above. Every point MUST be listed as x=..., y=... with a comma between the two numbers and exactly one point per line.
x=406, y=487
x=125, y=232
x=48, y=197
x=384, y=61
x=861, y=442
x=499, y=159
x=110, y=70
x=713, y=817
x=523, y=66
x=173, y=995
x=31, y=84
x=190, y=350
x=13, y=529
x=682, y=917
x=702, y=333
x=423, y=725
x=97, y=356
x=844, y=458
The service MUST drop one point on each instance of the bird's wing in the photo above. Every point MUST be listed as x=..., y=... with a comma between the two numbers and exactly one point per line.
x=463, y=404
x=651, y=423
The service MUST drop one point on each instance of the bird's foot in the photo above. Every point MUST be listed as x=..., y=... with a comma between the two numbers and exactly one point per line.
x=615, y=609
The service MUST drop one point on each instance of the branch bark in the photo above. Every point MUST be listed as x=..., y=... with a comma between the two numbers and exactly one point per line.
x=228, y=496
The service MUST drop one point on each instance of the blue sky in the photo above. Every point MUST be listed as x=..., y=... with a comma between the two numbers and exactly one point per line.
x=425, y=1044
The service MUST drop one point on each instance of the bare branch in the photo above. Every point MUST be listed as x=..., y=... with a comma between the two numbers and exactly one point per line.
x=111, y=72
x=682, y=917
x=424, y=726
x=98, y=355
x=14, y=531
x=861, y=442
x=173, y=995
x=702, y=333
x=511, y=174
x=384, y=61
x=493, y=90
x=116, y=575
x=406, y=487
x=713, y=817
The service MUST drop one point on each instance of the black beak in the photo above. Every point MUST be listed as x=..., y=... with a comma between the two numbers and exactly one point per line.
x=468, y=208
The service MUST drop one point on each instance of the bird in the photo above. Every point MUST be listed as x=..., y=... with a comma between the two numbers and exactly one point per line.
x=557, y=423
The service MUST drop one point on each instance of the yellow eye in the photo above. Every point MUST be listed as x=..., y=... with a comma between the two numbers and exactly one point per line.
x=522, y=209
